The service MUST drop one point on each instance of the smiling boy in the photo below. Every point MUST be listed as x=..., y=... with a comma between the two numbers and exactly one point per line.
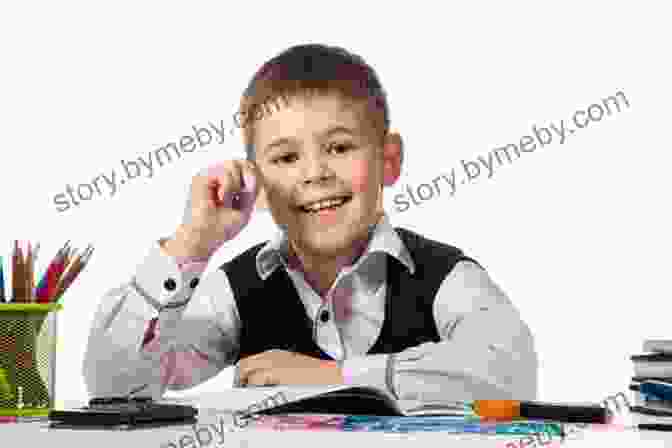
x=339, y=295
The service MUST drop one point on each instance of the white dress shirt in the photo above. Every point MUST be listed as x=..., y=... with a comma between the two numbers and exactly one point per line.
x=486, y=350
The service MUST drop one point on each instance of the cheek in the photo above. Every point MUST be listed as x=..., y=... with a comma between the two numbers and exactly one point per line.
x=360, y=176
x=277, y=190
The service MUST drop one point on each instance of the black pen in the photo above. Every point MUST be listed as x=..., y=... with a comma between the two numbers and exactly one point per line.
x=654, y=427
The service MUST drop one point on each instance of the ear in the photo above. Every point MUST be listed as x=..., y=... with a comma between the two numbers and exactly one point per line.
x=393, y=156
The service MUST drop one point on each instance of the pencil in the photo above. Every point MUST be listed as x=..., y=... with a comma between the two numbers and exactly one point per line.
x=19, y=276
x=67, y=277
x=47, y=281
x=12, y=286
x=2, y=280
x=77, y=266
x=53, y=280
x=58, y=275
x=67, y=267
x=29, y=273
x=24, y=273
x=36, y=251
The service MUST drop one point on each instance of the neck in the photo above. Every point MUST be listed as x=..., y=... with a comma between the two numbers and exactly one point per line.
x=321, y=270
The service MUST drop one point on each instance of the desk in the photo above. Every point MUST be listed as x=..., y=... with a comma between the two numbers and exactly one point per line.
x=37, y=434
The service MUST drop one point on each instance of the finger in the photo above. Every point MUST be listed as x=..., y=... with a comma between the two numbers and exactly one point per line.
x=265, y=360
x=237, y=175
x=205, y=184
x=262, y=377
x=221, y=186
x=250, y=186
x=199, y=197
x=244, y=375
x=244, y=185
x=247, y=366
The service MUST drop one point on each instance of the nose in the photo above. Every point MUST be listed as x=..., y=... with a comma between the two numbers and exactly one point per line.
x=316, y=169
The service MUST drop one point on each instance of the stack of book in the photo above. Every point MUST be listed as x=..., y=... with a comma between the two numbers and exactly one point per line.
x=652, y=384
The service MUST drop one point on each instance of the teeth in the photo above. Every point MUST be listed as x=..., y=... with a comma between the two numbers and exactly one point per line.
x=317, y=206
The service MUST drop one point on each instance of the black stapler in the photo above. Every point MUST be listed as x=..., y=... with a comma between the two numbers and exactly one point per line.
x=123, y=413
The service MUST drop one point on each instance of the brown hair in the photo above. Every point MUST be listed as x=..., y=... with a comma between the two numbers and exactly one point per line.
x=307, y=70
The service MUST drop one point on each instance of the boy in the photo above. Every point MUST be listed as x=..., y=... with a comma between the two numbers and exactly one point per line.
x=339, y=295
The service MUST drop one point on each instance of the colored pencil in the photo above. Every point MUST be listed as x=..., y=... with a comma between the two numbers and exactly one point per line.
x=76, y=267
x=59, y=275
x=19, y=280
x=2, y=280
x=36, y=252
x=52, y=278
x=29, y=273
x=13, y=262
x=49, y=278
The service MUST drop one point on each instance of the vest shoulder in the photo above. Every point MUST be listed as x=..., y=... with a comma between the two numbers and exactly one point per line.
x=244, y=259
x=416, y=242
x=431, y=255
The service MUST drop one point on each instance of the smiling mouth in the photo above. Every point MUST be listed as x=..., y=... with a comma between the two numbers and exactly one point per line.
x=325, y=204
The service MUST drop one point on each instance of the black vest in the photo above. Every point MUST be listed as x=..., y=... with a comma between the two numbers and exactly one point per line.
x=273, y=316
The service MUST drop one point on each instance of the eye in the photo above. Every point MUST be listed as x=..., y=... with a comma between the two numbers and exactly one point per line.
x=285, y=158
x=340, y=148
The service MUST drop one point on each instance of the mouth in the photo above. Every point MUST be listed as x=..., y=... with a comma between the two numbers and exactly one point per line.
x=324, y=205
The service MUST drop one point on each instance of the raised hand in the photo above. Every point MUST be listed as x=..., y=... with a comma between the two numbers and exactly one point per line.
x=220, y=204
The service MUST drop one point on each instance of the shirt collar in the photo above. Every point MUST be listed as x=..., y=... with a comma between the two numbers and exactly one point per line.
x=384, y=240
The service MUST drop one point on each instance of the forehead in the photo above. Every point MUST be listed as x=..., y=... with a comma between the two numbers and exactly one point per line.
x=308, y=116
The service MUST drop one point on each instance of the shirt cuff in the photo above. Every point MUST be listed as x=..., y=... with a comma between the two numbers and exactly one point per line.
x=188, y=264
x=161, y=282
x=370, y=370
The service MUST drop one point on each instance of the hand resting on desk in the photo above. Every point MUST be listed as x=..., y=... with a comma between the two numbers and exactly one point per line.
x=281, y=367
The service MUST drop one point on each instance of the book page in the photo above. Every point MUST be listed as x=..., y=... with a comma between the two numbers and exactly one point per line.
x=417, y=408
x=242, y=398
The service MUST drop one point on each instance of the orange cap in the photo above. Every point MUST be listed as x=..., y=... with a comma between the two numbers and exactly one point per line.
x=497, y=409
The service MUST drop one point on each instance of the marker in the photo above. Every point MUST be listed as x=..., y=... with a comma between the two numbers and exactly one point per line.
x=507, y=410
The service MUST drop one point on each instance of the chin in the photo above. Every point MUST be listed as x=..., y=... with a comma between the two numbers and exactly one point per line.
x=327, y=241
x=329, y=232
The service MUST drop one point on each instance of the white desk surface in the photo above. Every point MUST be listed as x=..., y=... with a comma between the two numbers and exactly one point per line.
x=38, y=434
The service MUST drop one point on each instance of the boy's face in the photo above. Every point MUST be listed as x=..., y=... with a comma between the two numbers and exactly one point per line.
x=316, y=149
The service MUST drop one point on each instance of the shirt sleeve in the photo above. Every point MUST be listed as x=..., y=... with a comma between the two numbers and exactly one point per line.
x=194, y=334
x=486, y=350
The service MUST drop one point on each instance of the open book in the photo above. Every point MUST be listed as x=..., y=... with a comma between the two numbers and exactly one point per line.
x=337, y=399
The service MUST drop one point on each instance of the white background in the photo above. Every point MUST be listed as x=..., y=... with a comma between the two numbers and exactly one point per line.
x=576, y=234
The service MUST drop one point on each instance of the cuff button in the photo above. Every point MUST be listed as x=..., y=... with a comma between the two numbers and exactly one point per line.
x=193, y=283
x=324, y=316
x=170, y=284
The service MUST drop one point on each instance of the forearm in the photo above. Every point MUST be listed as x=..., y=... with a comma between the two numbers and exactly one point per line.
x=464, y=370
x=187, y=244
x=113, y=361
x=185, y=347
x=447, y=369
x=485, y=349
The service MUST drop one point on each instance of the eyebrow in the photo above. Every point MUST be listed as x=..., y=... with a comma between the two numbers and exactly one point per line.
x=328, y=133
x=338, y=130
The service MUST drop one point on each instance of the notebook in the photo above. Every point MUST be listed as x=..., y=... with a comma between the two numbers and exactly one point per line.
x=652, y=365
x=658, y=345
x=337, y=399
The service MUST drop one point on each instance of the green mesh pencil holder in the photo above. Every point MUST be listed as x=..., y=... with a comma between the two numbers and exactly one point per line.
x=27, y=358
